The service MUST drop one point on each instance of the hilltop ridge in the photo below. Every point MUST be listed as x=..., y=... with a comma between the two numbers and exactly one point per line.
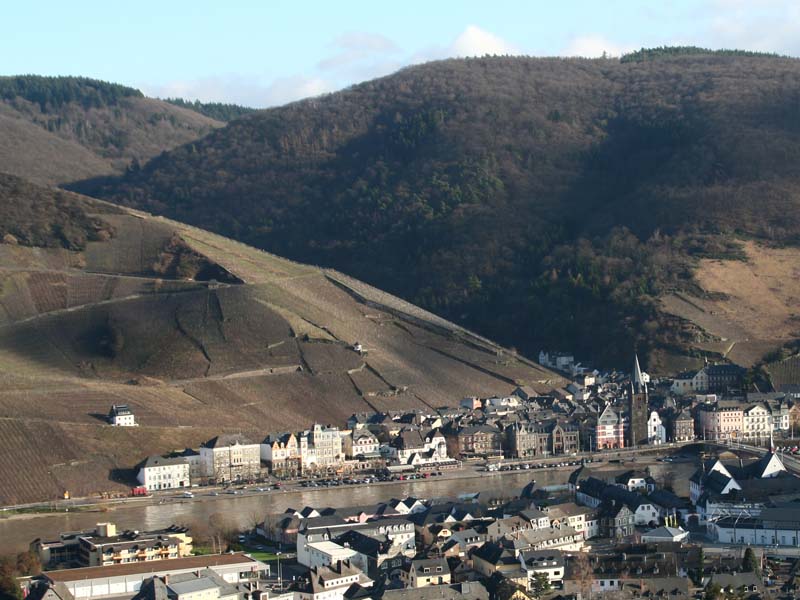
x=60, y=129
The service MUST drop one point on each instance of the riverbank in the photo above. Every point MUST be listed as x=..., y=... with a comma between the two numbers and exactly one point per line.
x=17, y=532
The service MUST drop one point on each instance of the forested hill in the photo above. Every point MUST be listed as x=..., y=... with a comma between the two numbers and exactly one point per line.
x=215, y=110
x=543, y=202
x=60, y=129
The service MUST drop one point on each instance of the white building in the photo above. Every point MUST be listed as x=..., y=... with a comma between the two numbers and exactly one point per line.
x=656, y=432
x=779, y=526
x=360, y=442
x=582, y=518
x=325, y=553
x=413, y=447
x=321, y=447
x=690, y=382
x=159, y=473
x=125, y=580
x=547, y=562
x=665, y=534
x=757, y=423
x=557, y=360
x=331, y=582
x=121, y=415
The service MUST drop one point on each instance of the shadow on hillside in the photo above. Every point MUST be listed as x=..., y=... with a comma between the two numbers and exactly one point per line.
x=100, y=417
x=124, y=476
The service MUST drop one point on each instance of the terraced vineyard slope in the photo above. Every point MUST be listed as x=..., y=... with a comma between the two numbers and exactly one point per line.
x=199, y=335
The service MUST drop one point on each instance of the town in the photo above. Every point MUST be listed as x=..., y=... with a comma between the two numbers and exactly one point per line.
x=611, y=526
x=609, y=411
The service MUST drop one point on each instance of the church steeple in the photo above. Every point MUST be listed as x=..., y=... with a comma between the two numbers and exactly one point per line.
x=637, y=381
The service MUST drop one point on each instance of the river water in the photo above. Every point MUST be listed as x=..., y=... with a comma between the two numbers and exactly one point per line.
x=17, y=532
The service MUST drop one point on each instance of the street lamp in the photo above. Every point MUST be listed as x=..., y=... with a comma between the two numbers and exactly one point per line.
x=280, y=576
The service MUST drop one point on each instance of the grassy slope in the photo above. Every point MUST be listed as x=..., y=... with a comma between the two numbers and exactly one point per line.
x=495, y=191
x=194, y=362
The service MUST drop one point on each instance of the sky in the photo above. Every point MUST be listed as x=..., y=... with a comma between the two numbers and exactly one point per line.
x=269, y=52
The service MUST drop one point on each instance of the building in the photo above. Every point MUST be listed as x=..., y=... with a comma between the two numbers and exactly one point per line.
x=281, y=453
x=398, y=531
x=665, y=535
x=532, y=439
x=428, y=571
x=561, y=361
x=722, y=420
x=475, y=440
x=656, y=432
x=774, y=526
x=361, y=443
x=160, y=473
x=548, y=562
x=413, y=447
x=582, y=518
x=329, y=582
x=723, y=378
x=321, y=448
x=711, y=378
x=128, y=579
x=105, y=546
x=610, y=430
x=121, y=415
x=682, y=427
x=616, y=520
x=757, y=424
x=637, y=407
x=689, y=382
x=231, y=457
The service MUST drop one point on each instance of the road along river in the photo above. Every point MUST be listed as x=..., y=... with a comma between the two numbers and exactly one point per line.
x=16, y=532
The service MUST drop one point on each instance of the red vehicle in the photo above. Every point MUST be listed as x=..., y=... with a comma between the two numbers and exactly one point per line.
x=139, y=491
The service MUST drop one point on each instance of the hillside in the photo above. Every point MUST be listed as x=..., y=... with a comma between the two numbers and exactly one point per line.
x=200, y=335
x=61, y=129
x=543, y=202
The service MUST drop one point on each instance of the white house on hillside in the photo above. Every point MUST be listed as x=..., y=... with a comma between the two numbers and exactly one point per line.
x=121, y=415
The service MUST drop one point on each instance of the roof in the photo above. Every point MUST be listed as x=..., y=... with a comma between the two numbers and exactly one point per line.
x=161, y=461
x=492, y=553
x=666, y=499
x=665, y=533
x=421, y=564
x=468, y=590
x=151, y=589
x=542, y=558
x=228, y=439
x=42, y=591
x=155, y=567
x=567, y=509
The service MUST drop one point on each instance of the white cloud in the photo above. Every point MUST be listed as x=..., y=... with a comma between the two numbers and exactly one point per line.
x=593, y=46
x=768, y=25
x=474, y=41
x=356, y=47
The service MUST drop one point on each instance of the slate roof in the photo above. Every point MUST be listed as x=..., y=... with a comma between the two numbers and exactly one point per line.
x=228, y=439
x=161, y=461
x=152, y=589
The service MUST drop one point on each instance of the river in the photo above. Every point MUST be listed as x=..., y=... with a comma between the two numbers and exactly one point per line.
x=17, y=532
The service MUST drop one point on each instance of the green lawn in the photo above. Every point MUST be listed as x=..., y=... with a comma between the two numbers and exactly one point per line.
x=263, y=556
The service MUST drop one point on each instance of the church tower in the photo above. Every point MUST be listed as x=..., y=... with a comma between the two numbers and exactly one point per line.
x=637, y=407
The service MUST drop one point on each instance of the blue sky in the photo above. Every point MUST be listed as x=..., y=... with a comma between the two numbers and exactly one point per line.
x=264, y=53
